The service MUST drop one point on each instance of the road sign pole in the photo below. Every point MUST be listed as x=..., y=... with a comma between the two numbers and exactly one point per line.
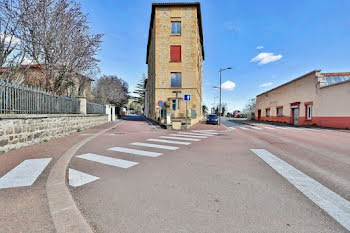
x=186, y=115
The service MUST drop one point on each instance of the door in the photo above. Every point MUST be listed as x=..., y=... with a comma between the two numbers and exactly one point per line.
x=259, y=115
x=295, y=116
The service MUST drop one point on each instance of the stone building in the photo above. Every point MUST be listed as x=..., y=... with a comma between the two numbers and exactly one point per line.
x=315, y=98
x=175, y=57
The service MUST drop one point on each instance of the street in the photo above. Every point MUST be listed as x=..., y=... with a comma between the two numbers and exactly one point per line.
x=143, y=180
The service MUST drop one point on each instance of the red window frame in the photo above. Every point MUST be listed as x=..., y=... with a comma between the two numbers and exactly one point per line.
x=175, y=53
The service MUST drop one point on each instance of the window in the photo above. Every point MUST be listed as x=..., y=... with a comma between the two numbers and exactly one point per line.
x=279, y=111
x=309, y=111
x=175, y=104
x=175, y=53
x=267, y=112
x=175, y=27
x=175, y=79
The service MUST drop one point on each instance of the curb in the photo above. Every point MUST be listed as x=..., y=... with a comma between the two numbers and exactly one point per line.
x=65, y=214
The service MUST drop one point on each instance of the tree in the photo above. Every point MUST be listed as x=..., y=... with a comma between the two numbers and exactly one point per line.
x=140, y=91
x=56, y=35
x=204, y=109
x=249, y=109
x=110, y=89
x=12, y=51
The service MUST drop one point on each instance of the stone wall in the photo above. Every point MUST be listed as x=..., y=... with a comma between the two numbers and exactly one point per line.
x=22, y=130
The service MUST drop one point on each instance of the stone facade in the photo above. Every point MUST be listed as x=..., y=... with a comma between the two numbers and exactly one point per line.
x=160, y=66
x=22, y=130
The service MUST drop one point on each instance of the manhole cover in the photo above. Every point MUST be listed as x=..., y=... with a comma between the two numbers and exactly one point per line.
x=118, y=133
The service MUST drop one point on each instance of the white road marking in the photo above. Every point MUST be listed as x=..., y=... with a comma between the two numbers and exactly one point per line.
x=25, y=174
x=197, y=134
x=326, y=199
x=179, y=138
x=189, y=136
x=77, y=178
x=254, y=127
x=154, y=146
x=282, y=127
x=108, y=160
x=233, y=128
x=207, y=132
x=243, y=127
x=266, y=127
x=136, y=152
x=210, y=130
x=168, y=141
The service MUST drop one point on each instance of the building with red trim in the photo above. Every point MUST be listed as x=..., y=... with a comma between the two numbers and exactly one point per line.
x=316, y=98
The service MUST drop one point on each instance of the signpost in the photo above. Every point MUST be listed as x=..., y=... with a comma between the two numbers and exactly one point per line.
x=187, y=98
x=160, y=104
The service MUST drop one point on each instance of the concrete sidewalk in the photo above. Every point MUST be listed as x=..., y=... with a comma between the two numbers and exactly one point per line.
x=26, y=209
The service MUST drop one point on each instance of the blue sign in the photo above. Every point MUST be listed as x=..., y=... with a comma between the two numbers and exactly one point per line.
x=187, y=97
x=160, y=103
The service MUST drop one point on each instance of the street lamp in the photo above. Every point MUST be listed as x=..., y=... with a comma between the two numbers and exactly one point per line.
x=220, y=109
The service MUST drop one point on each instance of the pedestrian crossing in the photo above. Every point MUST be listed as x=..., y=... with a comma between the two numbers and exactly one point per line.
x=268, y=128
x=78, y=178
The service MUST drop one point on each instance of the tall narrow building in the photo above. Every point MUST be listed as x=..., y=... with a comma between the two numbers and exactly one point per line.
x=175, y=57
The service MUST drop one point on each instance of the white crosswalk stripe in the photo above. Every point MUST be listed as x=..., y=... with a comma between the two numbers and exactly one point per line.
x=189, y=136
x=108, y=160
x=254, y=127
x=135, y=152
x=326, y=199
x=154, y=146
x=266, y=127
x=25, y=174
x=243, y=127
x=180, y=138
x=168, y=141
x=205, y=132
x=77, y=178
x=197, y=134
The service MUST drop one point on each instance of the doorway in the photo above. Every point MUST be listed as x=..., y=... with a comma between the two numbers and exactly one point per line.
x=295, y=112
x=259, y=114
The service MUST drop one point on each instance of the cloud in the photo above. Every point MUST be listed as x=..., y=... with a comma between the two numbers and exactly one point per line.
x=228, y=85
x=265, y=58
x=266, y=84
x=259, y=47
x=9, y=39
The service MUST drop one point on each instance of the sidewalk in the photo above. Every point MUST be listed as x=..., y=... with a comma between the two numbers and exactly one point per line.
x=26, y=209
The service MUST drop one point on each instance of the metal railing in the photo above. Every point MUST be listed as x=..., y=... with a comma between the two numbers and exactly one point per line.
x=19, y=99
x=93, y=108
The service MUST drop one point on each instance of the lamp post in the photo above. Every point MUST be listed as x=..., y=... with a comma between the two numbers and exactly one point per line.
x=220, y=109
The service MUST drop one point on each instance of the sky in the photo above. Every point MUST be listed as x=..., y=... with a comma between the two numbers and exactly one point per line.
x=267, y=43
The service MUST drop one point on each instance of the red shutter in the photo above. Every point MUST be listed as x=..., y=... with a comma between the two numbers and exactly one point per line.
x=175, y=53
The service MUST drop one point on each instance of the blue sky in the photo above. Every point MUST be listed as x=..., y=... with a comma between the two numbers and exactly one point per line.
x=297, y=37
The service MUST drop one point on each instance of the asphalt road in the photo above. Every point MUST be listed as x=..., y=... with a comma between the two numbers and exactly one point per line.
x=222, y=181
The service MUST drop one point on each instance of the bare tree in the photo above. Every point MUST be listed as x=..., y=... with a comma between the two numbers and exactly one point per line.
x=249, y=109
x=111, y=89
x=12, y=52
x=57, y=36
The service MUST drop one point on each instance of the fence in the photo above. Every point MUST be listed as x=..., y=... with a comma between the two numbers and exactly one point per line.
x=93, y=108
x=20, y=99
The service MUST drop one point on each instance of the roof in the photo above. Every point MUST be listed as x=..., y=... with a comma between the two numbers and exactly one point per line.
x=167, y=4
x=330, y=79
x=336, y=74
x=303, y=76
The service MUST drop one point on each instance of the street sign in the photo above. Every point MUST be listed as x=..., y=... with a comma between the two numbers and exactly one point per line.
x=187, y=97
x=160, y=103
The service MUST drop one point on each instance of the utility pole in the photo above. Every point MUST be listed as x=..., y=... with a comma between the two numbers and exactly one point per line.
x=220, y=108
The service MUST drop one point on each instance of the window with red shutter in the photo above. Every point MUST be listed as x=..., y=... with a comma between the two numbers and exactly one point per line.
x=175, y=53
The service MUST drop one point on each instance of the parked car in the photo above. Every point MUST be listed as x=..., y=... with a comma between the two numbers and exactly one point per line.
x=213, y=119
